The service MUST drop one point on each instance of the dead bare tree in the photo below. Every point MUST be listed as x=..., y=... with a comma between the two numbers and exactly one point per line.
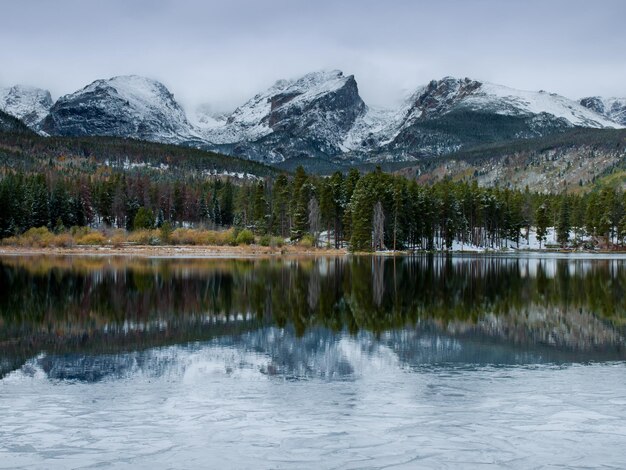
x=315, y=219
x=378, y=279
x=378, y=228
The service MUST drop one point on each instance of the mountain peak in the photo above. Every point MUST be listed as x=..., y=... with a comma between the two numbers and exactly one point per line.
x=27, y=103
x=313, y=113
x=321, y=115
x=612, y=108
x=440, y=95
x=125, y=105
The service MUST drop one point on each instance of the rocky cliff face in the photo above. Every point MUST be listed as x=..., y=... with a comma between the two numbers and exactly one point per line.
x=307, y=117
x=30, y=105
x=126, y=106
x=612, y=108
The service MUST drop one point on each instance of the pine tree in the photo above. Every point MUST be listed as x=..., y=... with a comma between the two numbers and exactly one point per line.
x=215, y=210
x=144, y=219
x=606, y=218
x=60, y=207
x=178, y=208
x=541, y=221
x=226, y=204
x=563, y=226
x=592, y=215
x=349, y=186
x=302, y=191
x=259, y=208
x=336, y=186
x=361, y=211
x=280, y=208
x=37, y=202
x=327, y=206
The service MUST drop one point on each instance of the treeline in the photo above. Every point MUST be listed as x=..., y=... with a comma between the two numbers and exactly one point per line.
x=374, y=211
x=30, y=152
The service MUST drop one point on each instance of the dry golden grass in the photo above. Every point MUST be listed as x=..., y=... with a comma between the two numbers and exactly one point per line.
x=118, y=238
x=144, y=237
x=40, y=237
x=93, y=238
x=200, y=237
x=224, y=240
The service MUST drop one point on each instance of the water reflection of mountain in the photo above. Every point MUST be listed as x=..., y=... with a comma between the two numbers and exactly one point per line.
x=500, y=310
x=319, y=353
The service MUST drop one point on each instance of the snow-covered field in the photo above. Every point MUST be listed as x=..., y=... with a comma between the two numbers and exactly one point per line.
x=530, y=243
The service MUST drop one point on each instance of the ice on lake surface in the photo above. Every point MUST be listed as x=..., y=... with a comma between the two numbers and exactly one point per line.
x=427, y=362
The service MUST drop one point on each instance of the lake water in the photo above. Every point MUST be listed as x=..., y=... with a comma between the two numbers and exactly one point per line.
x=421, y=362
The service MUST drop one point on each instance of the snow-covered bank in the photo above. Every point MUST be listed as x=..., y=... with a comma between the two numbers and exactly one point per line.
x=526, y=243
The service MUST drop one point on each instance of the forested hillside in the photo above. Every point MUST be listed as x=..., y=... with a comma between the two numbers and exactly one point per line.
x=486, y=197
x=28, y=152
x=571, y=161
x=9, y=123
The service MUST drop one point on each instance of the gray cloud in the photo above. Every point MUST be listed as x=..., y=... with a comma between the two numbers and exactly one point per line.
x=225, y=52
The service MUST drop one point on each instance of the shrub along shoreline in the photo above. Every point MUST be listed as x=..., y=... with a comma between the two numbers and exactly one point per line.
x=86, y=237
x=182, y=241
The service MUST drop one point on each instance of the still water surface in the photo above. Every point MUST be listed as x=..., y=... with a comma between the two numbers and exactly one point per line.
x=424, y=362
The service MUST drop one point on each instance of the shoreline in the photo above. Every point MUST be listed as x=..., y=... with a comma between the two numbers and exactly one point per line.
x=257, y=251
x=174, y=251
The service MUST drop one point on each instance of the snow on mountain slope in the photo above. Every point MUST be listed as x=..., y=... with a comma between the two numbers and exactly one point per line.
x=29, y=104
x=440, y=97
x=308, y=116
x=320, y=115
x=508, y=100
x=205, y=117
x=414, y=127
x=372, y=128
x=612, y=108
x=126, y=106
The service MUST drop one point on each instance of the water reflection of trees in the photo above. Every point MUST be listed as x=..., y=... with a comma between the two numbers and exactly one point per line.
x=82, y=296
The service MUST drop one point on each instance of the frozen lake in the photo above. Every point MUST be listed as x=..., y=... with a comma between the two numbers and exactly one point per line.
x=410, y=363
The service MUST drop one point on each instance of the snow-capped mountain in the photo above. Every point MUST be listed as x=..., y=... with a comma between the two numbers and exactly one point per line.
x=124, y=106
x=441, y=97
x=29, y=104
x=310, y=116
x=452, y=113
x=320, y=116
x=612, y=108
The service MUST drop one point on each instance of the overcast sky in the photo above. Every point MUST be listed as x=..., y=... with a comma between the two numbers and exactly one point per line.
x=225, y=52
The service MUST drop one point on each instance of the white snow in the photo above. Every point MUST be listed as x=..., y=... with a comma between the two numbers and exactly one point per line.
x=205, y=117
x=150, y=105
x=530, y=243
x=29, y=104
x=146, y=101
x=505, y=100
x=376, y=122
x=614, y=108
x=250, y=121
x=381, y=126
